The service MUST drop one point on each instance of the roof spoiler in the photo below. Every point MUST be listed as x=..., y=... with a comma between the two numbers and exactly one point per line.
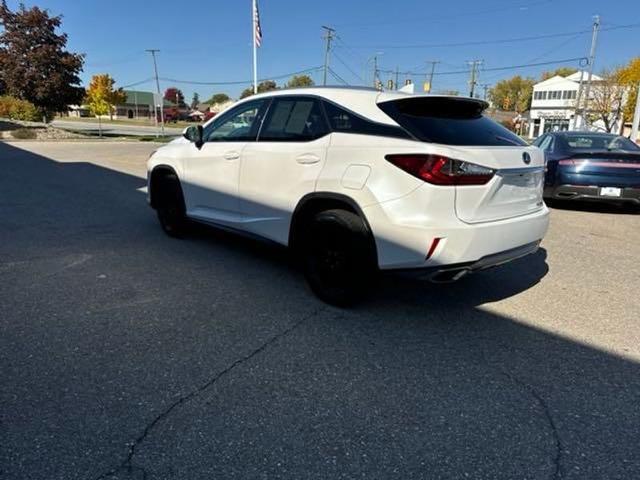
x=438, y=106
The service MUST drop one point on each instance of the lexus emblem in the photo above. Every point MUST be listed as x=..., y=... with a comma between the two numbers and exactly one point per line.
x=526, y=158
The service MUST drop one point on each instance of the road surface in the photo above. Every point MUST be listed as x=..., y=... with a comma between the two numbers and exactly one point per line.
x=125, y=354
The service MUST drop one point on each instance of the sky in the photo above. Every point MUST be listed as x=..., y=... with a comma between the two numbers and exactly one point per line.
x=211, y=40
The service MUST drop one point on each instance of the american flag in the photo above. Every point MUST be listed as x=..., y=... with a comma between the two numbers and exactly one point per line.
x=257, y=29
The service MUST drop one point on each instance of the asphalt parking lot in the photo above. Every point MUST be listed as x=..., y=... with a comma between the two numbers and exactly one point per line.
x=126, y=355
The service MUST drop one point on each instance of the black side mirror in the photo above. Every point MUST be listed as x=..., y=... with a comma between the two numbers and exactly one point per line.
x=194, y=134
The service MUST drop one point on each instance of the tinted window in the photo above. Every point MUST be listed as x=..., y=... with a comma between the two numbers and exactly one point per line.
x=585, y=141
x=546, y=143
x=344, y=121
x=449, y=121
x=293, y=119
x=237, y=125
x=538, y=141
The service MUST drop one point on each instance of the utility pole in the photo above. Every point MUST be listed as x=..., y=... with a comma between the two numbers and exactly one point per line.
x=576, y=115
x=329, y=35
x=485, y=88
x=397, y=77
x=592, y=59
x=433, y=70
x=473, y=81
x=636, y=118
x=153, y=52
x=375, y=72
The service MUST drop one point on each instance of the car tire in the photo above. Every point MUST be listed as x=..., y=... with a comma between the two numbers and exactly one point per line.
x=170, y=207
x=338, y=257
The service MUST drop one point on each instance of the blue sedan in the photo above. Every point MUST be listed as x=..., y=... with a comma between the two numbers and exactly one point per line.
x=591, y=166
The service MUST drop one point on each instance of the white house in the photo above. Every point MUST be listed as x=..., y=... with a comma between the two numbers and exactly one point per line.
x=553, y=107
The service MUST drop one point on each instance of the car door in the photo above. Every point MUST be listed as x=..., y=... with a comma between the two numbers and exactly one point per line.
x=212, y=172
x=283, y=165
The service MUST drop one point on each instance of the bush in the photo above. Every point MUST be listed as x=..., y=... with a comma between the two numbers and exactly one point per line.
x=17, y=109
x=24, y=134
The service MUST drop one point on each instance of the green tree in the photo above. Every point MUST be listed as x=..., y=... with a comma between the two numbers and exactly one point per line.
x=300, y=81
x=49, y=78
x=512, y=94
x=562, y=71
x=266, y=86
x=218, y=98
x=195, y=101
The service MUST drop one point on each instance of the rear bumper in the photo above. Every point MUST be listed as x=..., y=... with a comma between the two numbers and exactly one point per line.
x=581, y=192
x=451, y=273
x=405, y=231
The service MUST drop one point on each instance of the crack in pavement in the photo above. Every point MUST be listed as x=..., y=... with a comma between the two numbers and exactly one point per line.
x=557, y=473
x=127, y=464
x=557, y=458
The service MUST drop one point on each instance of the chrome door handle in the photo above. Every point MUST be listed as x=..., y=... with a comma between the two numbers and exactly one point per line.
x=308, y=159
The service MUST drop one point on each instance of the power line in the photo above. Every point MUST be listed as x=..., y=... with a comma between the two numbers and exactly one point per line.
x=355, y=55
x=135, y=84
x=496, y=69
x=496, y=41
x=337, y=57
x=338, y=77
x=241, y=82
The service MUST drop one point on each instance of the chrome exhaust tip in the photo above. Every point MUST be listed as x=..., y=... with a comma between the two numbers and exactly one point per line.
x=449, y=276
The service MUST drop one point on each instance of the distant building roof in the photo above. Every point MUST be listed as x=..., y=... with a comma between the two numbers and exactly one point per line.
x=143, y=98
x=576, y=77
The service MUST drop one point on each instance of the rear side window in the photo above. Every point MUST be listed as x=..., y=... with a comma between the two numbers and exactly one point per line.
x=546, y=143
x=449, y=121
x=293, y=120
x=344, y=121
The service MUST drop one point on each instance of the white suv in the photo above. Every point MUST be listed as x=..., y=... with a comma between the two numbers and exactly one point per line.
x=355, y=181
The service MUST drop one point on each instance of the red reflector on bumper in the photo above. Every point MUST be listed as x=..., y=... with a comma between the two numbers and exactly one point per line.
x=432, y=248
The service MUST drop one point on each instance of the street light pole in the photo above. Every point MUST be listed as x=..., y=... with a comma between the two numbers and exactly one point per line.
x=153, y=52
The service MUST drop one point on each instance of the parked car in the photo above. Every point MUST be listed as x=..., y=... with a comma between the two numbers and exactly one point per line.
x=591, y=166
x=356, y=181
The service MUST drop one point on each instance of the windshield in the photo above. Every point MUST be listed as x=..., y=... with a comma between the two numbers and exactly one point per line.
x=585, y=142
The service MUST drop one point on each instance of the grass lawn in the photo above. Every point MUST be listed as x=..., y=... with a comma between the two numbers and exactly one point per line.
x=141, y=122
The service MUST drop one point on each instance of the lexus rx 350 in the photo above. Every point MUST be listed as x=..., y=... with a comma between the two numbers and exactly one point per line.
x=357, y=181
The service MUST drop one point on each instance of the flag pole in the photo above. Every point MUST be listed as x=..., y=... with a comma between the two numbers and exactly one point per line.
x=255, y=47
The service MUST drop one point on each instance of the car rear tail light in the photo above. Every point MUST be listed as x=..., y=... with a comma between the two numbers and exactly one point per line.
x=440, y=170
x=567, y=161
